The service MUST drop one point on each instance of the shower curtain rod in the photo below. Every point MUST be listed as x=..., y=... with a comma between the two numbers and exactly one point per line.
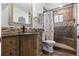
x=59, y=7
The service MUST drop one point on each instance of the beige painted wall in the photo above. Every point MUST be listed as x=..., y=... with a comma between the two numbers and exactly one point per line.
x=78, y=30
x=0, y=28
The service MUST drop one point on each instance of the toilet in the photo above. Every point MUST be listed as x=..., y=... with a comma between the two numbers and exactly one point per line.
x=48, y=45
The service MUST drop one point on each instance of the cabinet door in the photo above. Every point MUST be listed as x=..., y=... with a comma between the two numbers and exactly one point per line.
x=10, y=46
x=28, y=45
x=24, y=45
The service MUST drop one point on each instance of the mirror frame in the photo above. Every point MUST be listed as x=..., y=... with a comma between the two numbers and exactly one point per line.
x=10, y=16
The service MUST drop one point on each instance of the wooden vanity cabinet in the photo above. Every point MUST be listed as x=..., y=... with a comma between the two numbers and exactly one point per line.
x=21, y=45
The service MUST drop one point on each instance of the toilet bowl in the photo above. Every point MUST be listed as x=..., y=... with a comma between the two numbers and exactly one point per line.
x=48, y=45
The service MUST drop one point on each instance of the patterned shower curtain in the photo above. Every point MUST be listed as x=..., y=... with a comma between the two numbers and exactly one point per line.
x=48, y=25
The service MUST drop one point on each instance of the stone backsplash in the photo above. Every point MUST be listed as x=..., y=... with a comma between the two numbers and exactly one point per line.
x=8, y=30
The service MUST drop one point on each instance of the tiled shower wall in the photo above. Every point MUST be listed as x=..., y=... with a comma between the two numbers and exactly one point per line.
x=65, y=32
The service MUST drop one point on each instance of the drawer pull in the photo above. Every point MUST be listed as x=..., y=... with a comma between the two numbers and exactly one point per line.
x=11, y=42
x=11, y=53
x=35, y=48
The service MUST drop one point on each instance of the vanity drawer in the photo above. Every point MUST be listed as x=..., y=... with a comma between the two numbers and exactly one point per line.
x=10, y=52
x=9, y=42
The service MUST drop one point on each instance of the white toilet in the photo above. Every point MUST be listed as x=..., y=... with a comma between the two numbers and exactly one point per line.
x=48, y=45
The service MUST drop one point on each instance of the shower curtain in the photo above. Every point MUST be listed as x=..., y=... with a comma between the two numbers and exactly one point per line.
x=48, y=26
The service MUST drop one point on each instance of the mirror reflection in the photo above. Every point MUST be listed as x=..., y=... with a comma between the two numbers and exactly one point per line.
x=20, y=13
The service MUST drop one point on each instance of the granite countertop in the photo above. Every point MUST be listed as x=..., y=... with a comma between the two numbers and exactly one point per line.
x=14, y=34
x=11, y=31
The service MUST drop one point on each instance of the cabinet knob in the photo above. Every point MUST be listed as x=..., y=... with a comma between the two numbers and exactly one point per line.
x=35, y=48
x=10, y=42
x=11, y=53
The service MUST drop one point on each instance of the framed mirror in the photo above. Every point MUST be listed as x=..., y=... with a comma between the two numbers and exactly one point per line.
x=20, y=14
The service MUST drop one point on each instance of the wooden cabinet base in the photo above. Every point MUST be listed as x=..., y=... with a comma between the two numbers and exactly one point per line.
x=21, y=45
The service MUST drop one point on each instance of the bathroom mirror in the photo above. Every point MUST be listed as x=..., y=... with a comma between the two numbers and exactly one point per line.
x=20, y=14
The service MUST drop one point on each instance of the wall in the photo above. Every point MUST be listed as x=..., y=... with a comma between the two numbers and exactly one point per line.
x=0, y=19
x=78, y=40
x=0, y=28
x=37, y=9
x=5, y=17
x=78, y=30
x=0, y=14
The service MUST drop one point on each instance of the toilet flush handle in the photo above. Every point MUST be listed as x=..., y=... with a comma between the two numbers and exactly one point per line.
x=78, y=37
